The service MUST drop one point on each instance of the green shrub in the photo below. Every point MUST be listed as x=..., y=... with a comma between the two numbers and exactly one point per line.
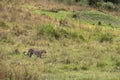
x=99, y=23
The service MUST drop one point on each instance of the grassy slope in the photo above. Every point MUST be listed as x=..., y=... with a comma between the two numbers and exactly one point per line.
x=79, y=48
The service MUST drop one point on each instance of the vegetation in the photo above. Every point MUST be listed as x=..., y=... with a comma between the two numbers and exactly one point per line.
x=104, y=4
x=81, y=43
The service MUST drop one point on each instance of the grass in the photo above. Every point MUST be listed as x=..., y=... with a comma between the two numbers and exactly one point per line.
x=76, y=49
x=98, y=18
x=58, y=15
x=91, y=17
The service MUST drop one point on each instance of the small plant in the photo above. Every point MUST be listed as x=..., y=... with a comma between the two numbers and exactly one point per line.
x=99, y=23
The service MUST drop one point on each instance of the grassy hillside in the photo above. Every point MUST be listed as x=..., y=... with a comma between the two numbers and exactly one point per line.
x=81, y=43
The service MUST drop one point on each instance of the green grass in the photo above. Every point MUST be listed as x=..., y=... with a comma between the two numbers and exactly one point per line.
x=98, y=18
x=91, y=17
x=58, y=15
x=76, y=51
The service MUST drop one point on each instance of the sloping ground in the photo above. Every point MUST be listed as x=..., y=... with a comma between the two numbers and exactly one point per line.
x=80, y=46
x=96, y=17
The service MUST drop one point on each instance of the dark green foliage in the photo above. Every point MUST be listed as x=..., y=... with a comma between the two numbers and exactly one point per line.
x=99, y=23
x=71, y=67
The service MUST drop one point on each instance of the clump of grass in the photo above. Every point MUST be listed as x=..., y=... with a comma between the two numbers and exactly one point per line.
x=118, y=64
x=106, y=38
x=51, y=32
x=101, y=64
x=70, y=67
x=78, y=35
x=47, y=30
x=4, y=25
